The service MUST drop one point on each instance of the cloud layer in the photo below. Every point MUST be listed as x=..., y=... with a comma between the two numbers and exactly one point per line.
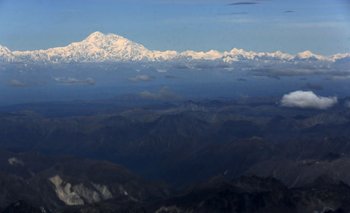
x=72, y=81
x=307, y=99
x=243, y=3
x=17, y=83
x=163, y=94
x=141, y=78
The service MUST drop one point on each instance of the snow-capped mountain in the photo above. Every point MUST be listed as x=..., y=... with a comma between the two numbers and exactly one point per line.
x=340, y=56
x=5, y=54
x=236, y=55
x=99, y=47
x=308, y=55
x=193, y=55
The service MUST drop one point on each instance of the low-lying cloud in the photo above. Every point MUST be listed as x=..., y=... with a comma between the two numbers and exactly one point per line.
x=243, y=3
x=307, y=99
x=73, y=81
x=141, y=78
x=163, y=94
x=341, y=77
x=289, y=11
x=17, y=83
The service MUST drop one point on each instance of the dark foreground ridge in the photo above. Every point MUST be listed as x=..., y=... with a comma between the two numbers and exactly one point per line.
x=193, y=156
x=243, y=195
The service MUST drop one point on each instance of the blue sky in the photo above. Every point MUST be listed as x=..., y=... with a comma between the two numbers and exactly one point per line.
x=322, y=26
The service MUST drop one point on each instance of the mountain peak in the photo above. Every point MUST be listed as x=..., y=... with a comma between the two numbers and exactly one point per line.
x=96, y=36
x=307, y=54
x=4, y=49
x=101, y=37
x=110, y=39
x=5, y=54
x=97, y=33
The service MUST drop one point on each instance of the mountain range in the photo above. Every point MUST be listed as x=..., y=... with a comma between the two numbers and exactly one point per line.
x=99, y=47
x=240, y=156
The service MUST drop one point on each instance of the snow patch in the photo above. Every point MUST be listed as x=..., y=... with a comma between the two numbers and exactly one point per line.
x=79, y=194
x=15, y=161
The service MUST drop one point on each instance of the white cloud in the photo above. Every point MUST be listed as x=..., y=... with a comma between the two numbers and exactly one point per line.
x=340, y=77
x=307, y=99
x=17, y=83
x=163, y=94
x=141, y=78
x=71, y=81
x=160, y=70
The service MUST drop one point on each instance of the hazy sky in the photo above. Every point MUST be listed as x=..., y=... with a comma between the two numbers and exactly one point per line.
x=322, y=26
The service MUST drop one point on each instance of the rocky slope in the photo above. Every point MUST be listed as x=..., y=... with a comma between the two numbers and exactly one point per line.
x=54, y=184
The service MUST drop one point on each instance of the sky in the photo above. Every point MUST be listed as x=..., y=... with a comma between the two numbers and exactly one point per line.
x=322, y=26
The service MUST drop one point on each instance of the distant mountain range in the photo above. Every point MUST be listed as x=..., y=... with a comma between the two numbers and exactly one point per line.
x=99, y=47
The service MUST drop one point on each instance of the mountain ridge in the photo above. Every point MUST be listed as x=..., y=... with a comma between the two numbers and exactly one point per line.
x=100, y=47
